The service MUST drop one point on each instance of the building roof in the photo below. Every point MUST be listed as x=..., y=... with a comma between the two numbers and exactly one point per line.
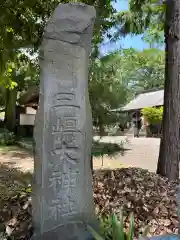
x=147, y=99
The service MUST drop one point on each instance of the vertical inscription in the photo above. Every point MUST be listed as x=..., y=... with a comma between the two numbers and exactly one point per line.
x=66, y=146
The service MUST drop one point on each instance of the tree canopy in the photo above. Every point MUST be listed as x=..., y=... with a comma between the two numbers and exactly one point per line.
x=23, y=29
x=141, y=16
x=25, y=21
x=107, y=91
x=141, y=70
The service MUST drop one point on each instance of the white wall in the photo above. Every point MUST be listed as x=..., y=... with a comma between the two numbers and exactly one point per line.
x=27, y=119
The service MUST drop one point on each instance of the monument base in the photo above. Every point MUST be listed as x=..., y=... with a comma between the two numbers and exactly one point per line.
x=71, y=231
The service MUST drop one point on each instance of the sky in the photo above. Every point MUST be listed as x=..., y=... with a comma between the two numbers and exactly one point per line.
x=128, y=41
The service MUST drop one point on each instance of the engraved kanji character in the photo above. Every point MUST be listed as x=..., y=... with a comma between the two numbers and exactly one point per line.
x=72, y=157
x=69, y=179
x=72, y=206
x=57, y=126
x=70, y=139
x=53, y=213
x=65, y=205
x=57, y=141
x=74, y=178
x=69, y=205
x=65, y=96
x=55, y=180
x=65, y=99
x=62, y=206
x=66, y=123
x=65, y=180
x=70, y=123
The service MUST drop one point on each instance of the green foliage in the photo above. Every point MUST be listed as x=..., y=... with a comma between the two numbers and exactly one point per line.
x=23, y=23
x=6, y=137
x=143, y=17
x=27, y=189
x=21, y=30
x=142, y=70
x=20, y=73
x=153, y=115
x=154, y=38
x=112, y=228
x=106, y=89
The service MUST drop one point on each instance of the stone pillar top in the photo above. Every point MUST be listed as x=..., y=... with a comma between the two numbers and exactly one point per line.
x=69, y=22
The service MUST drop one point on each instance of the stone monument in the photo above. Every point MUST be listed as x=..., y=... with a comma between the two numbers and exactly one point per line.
x=62, y=201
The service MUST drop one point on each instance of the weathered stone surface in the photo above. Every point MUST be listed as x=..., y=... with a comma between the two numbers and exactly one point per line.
x=63, y=128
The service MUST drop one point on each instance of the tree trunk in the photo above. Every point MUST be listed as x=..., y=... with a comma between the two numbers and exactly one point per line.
x=10, y=109
x=101, y=131
x=169, y=156
x=101, y=127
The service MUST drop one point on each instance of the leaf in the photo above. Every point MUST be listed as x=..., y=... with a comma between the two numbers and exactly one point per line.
x=94, y=233
x=9, y=29
x=118, y=228
x=131, y=228
x=155, y=211
x=9, y=70
x=167, y=222
x=28, y=190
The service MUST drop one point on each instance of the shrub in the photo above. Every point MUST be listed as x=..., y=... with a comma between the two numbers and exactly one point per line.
x=102, y=148
x=99, y=149
x=153, y=115
x=6, y=137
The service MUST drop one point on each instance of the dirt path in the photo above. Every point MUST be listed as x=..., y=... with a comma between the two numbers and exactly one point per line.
x=143, y=153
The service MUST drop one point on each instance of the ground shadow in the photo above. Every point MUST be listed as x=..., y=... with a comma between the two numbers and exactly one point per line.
x=19, y=154
x=14, y=151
